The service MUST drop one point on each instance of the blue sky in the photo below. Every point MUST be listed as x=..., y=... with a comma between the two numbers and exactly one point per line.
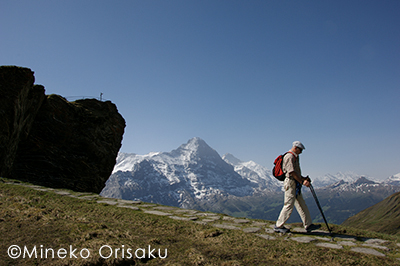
x=248, y=77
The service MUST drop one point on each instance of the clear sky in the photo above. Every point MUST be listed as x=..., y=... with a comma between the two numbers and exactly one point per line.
x=248, y=77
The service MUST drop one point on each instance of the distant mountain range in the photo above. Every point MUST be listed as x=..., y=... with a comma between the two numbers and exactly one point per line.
x=345, y=199
x=393, y=180
x=255, y=173
x=195, y=176
x=383, y=217
x=193, y=172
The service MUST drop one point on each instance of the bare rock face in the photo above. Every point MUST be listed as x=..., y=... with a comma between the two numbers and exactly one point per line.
x=70, y=145
x=20, y=101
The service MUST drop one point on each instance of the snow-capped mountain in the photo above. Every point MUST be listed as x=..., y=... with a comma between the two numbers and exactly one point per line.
x=196, y=176
x=330, y=179
x=346, y=198
x=360, y=184
x=393, y=180
x=254, y=172
x=190, y=173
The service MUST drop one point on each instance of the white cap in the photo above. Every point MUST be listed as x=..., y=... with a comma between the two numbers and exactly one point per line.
x=298, y=144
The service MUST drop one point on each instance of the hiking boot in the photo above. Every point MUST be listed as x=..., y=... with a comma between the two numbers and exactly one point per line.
x=313, y=227
x=282, y=229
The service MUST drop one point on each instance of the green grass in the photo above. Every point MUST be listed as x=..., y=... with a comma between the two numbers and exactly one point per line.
x=32, y=218
x=381, y=217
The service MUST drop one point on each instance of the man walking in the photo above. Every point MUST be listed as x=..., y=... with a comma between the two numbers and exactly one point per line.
x=292, y=186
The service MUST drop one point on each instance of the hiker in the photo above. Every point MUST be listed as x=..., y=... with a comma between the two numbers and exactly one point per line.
x=292, y=185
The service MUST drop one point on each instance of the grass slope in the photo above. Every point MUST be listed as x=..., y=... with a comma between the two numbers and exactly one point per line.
x=54, y=222
x=383, y=217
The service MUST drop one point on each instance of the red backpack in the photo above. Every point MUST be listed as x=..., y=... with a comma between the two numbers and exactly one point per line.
x=277, y=171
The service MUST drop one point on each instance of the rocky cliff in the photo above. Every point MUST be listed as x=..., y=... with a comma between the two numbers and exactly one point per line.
x=49, y=141
x=19, y=103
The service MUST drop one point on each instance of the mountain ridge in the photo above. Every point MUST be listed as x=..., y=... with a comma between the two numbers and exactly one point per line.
x=383, y=217
x=125, y=160
x=192, y=172
x=195, y=176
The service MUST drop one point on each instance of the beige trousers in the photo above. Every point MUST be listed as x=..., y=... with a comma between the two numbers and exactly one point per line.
x=290, y=202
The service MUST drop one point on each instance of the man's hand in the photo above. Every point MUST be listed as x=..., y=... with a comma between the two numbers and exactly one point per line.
x=307, y=183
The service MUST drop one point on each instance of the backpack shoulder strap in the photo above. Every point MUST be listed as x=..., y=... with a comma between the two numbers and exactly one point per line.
x=295, y=157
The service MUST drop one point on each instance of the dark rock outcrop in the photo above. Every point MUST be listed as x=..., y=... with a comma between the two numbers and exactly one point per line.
x=20, y=101
x=59, y=144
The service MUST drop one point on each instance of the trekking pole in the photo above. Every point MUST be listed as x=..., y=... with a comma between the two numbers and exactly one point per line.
x=319, y=207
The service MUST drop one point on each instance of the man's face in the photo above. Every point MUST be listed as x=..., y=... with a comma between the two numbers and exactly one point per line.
x=298, y=150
